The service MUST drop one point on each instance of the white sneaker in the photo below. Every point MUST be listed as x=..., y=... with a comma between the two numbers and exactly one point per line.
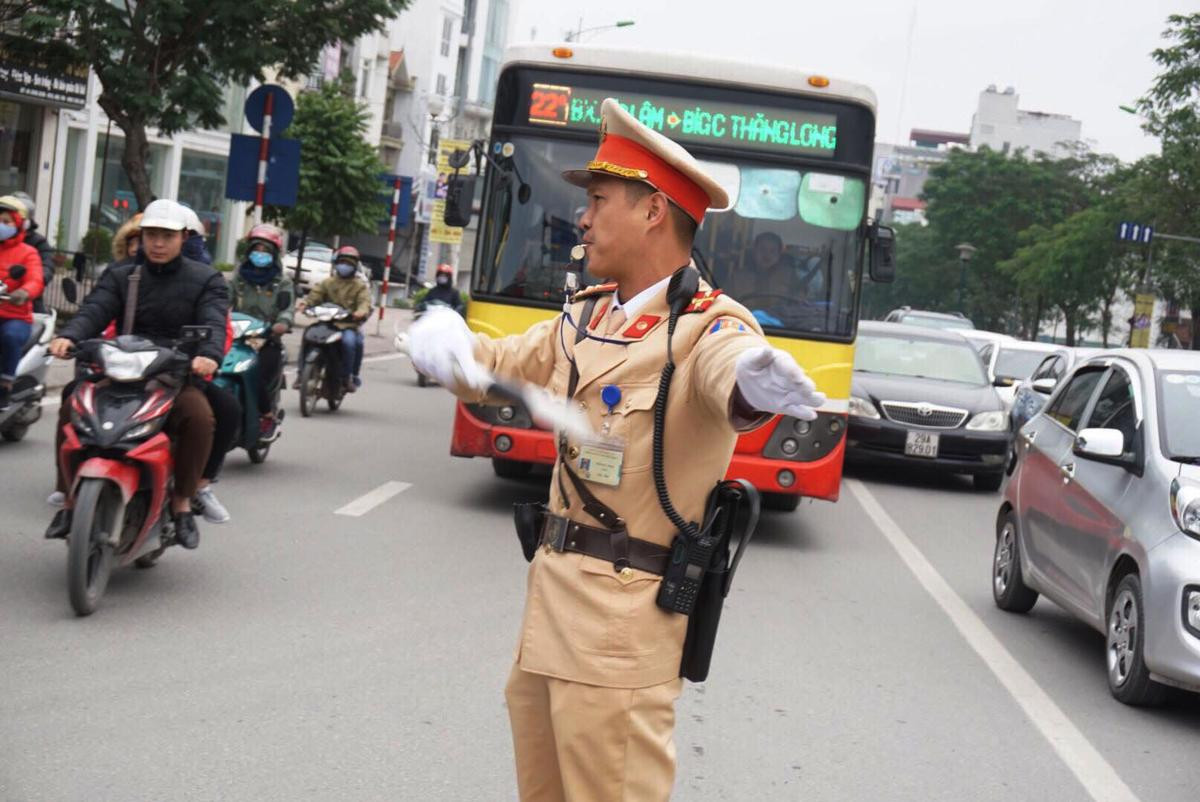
x=210, y=506
x=57, y=499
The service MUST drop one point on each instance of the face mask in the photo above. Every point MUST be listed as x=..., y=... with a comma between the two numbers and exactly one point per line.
x=261, y=258
x=7, y=231
x=443, y=281
x=344, y=269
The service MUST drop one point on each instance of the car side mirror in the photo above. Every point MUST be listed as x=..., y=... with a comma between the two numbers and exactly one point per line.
x=70, y=290
x=1044, y=386
x=1103, y=444
x=283, y=300
x=882, y=240
x=460, y=197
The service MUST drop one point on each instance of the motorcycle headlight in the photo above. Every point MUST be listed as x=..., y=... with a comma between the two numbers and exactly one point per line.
x=138, y=432
x=863, y=408
x=1185, y=508
x=125, y=366
x=995, y=421
x=332, y=338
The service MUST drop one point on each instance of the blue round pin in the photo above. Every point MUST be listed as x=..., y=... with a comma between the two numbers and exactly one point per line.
x=611, y=396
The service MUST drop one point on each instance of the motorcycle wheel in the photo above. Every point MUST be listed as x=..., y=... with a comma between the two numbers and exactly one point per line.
x=258, y=454
x=14, y=433
x=309, y=383
x=89, y=561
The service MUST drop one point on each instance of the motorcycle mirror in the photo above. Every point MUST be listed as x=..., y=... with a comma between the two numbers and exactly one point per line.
x=523, y=194
x=283, y=300
x=17, y=271
x=70, y=290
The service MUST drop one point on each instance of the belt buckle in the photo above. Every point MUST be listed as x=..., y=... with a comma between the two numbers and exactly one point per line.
x=555, y=534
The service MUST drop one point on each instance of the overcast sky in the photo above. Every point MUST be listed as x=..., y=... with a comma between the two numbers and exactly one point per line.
x=1065, y=56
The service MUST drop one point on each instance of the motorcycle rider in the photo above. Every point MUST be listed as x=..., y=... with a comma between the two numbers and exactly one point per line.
x=194, y=247
x=35, y=238
x=16, y=314
x=344, y=289
x=443, y=290
x=174, y=292
x=253, y=291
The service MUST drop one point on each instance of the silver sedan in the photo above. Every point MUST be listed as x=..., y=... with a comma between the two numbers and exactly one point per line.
x=1102, y=515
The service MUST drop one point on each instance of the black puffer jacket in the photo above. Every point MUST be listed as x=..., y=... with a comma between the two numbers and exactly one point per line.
x=179, y=293
x=46, y=253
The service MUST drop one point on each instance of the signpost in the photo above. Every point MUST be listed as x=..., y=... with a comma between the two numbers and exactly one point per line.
x=400, y=190
x=1143, y=310
x=265, y=169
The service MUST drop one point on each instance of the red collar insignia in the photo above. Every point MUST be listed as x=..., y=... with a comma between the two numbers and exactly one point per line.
x=641, y=327
x=703, y=300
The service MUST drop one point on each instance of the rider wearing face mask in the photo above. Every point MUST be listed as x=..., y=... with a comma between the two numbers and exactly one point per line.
x=21, y=274
x=258, y=282
x=344, y=288
x=443, y=290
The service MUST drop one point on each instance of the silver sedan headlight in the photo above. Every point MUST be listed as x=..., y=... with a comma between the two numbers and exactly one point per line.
x=1185, y=507
x=863, y=408
x=996, y=421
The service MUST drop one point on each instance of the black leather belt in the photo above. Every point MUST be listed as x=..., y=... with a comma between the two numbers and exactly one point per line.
x=563, y=534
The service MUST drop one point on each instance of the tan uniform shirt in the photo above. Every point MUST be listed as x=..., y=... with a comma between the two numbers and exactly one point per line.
x=585, y=622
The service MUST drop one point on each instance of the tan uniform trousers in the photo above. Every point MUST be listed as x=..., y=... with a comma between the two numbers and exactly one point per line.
x=583, y=743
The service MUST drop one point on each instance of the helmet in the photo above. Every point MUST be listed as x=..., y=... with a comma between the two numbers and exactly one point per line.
x=27, y=202
x=11, y=203
x=346, y=253
x=444, y=269
x=193, y=220
x=265, y=232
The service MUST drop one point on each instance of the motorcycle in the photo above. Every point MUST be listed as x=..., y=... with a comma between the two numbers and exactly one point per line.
x=321, y=359
x=29, y=386
x=117, y=459
x=239, y=375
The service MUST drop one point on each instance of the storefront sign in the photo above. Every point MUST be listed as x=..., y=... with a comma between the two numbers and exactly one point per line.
x=35, y=84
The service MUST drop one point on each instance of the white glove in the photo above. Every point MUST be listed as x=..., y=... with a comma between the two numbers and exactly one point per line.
x=771, y=381
x=443, y=348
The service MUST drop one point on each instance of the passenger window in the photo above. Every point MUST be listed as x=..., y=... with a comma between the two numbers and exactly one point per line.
x=1045, y=370
x=1068, y=407
x=1115, y=408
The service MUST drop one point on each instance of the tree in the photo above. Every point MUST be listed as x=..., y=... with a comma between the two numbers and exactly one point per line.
x=1171, y=182
x=923, y=271
x=165, y=63
x=340, y=189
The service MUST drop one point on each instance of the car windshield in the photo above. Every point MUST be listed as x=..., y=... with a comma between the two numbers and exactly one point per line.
x=316, y=252
x=1014, y=363
x=1179, y=400
x=788, y=248
x=918, y=358
x=936, y=322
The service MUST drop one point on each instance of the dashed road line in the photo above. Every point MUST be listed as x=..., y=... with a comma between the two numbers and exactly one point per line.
x=369, y=501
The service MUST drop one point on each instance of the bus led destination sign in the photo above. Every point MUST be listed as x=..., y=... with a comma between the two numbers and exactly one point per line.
x=795, y=132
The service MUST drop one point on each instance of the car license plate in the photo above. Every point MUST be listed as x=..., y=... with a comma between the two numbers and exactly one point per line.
x=921, y=444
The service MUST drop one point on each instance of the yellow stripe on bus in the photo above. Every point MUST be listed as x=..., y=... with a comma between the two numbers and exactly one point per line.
x=828, y=363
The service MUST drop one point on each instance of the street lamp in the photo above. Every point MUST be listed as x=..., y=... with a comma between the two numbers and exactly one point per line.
x=573, y=36
x=965, y=251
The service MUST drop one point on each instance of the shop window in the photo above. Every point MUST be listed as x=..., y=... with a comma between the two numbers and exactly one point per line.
x=19, y=141
x=202, y=187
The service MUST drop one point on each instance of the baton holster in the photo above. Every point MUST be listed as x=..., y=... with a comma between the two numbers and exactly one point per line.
x=528, y=519
x=732, y=513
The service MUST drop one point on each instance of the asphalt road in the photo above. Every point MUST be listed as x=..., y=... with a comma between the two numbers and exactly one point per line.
x=302, y=654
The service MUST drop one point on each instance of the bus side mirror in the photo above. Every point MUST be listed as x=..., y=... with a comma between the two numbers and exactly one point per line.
x=882, y=254
x=459, y=158
x=460, y=196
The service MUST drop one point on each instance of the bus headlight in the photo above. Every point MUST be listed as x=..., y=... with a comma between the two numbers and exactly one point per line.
x=863, y=408
x=789, y=446
x=506, y=413
x=802, y=427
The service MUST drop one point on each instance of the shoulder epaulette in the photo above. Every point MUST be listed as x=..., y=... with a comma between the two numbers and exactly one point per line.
x=595, y=289
x=702, y=300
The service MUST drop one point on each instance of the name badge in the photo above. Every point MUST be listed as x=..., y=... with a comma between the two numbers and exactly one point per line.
x=601, y=463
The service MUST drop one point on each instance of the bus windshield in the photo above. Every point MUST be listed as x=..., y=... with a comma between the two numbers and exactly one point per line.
x=788, y=249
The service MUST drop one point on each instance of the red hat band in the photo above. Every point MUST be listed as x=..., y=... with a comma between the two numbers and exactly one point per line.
x=625, y=158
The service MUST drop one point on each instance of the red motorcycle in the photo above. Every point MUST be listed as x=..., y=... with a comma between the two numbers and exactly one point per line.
x=117, y=459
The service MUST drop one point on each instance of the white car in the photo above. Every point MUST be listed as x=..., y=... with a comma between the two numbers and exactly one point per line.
x=980, y=338
x=1010, y=363
x=318, y=261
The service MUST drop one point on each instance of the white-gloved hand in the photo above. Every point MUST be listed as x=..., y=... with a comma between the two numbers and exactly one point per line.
x=771, y=381
x=443, y=348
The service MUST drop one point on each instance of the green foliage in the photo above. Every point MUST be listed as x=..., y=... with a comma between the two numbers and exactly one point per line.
x=224, y=267
x=97, y=244
x=339, y=170
x=166, y=63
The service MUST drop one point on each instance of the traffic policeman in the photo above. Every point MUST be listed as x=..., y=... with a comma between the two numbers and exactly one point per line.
x=597, y=672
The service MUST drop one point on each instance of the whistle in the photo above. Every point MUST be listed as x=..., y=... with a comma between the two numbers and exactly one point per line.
x=578, y=252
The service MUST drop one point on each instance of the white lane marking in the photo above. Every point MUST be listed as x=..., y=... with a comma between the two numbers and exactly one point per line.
x=1097, y=775
x=365, y=503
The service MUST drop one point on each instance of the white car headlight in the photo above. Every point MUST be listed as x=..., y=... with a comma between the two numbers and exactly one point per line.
x=996, y=421
x=126, y=366
x=1185, y=507
x=863, y=408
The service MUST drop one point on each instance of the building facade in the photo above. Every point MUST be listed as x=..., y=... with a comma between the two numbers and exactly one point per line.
x=999, y=124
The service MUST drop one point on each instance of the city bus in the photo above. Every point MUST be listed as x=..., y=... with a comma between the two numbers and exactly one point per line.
x=794, y=150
